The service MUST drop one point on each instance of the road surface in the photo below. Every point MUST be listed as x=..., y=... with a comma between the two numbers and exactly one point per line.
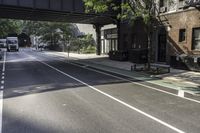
x=45, y=94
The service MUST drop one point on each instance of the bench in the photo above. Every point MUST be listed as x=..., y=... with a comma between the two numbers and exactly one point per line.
x=158, y=66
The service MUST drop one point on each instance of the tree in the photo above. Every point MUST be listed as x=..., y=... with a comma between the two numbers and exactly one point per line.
x=83, y=44
x=52, y=33
x=9, y=26
x=32, y=27
x=130, y=10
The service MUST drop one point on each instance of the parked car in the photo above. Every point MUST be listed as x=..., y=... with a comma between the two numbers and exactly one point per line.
x=1, y=54
x=2, y=43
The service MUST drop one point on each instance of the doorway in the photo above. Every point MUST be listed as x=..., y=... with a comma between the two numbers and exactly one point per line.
x=162, y=44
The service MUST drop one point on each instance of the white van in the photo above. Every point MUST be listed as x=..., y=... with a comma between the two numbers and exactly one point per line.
x=12, y=44
x=2, y=43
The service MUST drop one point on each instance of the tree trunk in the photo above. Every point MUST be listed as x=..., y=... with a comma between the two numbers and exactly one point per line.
x=149, y=51
x=149, y=46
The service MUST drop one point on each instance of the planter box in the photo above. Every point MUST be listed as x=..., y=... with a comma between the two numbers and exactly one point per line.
x=118, y=55
x=138, y=56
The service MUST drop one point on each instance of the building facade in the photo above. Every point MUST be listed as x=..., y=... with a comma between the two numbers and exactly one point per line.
x=109, y=39
x=181, y=26
x=108, y=36
x=176, y=33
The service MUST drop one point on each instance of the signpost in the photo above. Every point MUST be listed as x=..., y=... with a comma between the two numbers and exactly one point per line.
x=68, y=48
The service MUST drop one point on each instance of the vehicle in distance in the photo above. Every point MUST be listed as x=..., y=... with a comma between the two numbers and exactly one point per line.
x=2, y=43
x=12, y=44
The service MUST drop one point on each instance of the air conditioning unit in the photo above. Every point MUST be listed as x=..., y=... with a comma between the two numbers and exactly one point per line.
x=163, y=9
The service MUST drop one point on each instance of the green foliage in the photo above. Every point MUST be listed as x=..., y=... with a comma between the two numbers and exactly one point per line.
x=51, y=33
x=130, y=9
x=98, y=6
x=9, y=26
x=84, y=44
x=89, y=50
x=32, y=27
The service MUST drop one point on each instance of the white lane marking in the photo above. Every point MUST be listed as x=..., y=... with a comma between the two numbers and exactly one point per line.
x=2, y=77
x=3, y=74
x=181, y=93
x=156, y=89
x=1, y=94
x=2, y=82
x=1, y=110
x=153, y=88
x=4, y=62
x=115, y=99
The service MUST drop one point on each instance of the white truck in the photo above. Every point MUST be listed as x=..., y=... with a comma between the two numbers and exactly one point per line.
x=12, y=44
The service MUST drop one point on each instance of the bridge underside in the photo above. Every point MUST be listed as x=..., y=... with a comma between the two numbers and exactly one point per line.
x=13, y=12
x=70, y=11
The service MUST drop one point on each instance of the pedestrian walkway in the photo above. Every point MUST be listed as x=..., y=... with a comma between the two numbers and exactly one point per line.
x=176, y=79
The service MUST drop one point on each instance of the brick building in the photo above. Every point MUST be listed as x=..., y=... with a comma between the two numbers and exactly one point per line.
x=178, y=32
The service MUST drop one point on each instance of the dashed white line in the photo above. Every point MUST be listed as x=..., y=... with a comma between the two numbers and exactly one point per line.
x=2, y=82
x=4, y=62
x=1, y=110
x=3, y=77
x=115, y=99
x=1, y=93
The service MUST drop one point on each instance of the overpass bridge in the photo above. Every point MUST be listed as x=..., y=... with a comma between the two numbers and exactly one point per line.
x=71, y=11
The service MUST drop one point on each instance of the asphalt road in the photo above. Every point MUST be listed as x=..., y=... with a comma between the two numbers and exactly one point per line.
x=44, y=94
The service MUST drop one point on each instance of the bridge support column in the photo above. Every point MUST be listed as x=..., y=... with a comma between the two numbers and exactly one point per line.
x=98, y=38
x=119, y=35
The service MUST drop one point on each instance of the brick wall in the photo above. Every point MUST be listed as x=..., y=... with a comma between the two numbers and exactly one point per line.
x=185, y=19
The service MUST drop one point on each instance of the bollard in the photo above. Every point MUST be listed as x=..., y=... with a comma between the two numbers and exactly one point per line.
x=181, y=93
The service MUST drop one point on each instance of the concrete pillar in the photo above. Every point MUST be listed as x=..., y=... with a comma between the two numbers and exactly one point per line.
x=98, y=38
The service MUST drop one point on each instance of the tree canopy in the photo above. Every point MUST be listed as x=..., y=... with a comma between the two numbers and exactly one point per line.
x=49, y=32
x=8, y=26
x=129, y=9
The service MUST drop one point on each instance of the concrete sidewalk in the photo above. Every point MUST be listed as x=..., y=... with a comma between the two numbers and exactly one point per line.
x=176, y=79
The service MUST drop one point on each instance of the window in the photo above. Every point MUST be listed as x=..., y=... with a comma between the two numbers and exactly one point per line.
x=182, y=35
x=181, y=3
x=161, y=3
x=196, y=39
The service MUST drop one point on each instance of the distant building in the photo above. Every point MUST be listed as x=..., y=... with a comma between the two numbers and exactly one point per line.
x=108, y=36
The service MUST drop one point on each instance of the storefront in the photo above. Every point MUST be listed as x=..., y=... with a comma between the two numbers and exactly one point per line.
x=109, y=40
